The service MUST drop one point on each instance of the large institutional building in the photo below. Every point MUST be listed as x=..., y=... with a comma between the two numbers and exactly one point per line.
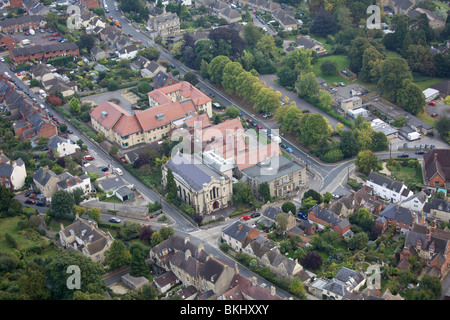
x=167, y=105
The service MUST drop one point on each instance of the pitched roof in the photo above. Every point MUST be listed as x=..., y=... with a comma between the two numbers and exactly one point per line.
x=437, y=161
x=398, y=213
x=385, y=182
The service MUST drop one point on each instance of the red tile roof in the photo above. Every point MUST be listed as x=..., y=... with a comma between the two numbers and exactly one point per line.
x=187, y=90
x=107, y=114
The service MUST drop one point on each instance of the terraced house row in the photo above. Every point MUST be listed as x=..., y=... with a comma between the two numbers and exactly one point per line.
x=43, y=52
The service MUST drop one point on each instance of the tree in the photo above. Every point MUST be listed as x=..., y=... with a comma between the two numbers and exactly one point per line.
x=267, y=45
x=379, y=141
x=78, y=195
x=299, y=60
x=371, y=64
x=251, y=34
x=117, y=255
x=94, y=214
x=232, y=112
x=86, y=41
x=191, y=78
x=229, y=76
x=113, y=85
x=57, y=275
x=323, y=24
x=61, y=203
x=32, y=283
x=328, y=67
x=138, y=267
x=421, y=60
x=287, y=77
x=312, y=261
x=216, y=67
x=171, y=186
x=264, y=191
x=307, y=85
x=130, y=230
x=289, y=206
x=410, y=97
x=392, y=74
x=358, y=241
x=63, y=127
x=314, y=130
x=366, y=161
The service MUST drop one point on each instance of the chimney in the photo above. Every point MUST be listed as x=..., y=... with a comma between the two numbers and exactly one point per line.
x=200, y=247
x=186, y=240
x=254, y=281
x=435, y=156
x=236, y=268
x=68, y=182
x=272, y=290
x=187, y=254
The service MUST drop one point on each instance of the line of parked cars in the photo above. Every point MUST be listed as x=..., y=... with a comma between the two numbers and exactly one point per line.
x=39, y=203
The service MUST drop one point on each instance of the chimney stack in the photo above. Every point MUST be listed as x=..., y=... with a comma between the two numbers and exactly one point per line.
x=254, y=281
x=272, y=290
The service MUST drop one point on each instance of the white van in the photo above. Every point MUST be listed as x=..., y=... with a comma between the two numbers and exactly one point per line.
x=118, y=171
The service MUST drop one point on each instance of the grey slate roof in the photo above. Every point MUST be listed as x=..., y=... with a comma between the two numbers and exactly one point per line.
x=384, y=181
x=236, y=230
x=266, y=171
x=398, y=213
x=193, y=171
x=109, y=184
x=42, y=176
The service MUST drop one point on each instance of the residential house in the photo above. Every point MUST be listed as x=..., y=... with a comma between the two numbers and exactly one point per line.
x=307, y=42
x=268, y=255
x=434, y=21
x=242, y=288
x=85, y=237
x=35, y=7
x=436, y=169
x=43, y=52
x=416, y=202
x=32, y=123
x=192, y=265
x=346, y=281
x=166, y=281
x=323, y=217
x=97, y=53
x=443, y=88
x=69, y=183
x=42, y=72
x=127, y=52
x=12, y=174
x=286, y=19
x=395, y=215
x=399, y=6
x=230, y=15
x=139, y=63
x=124, y=193
x=437, y=209
x=22, y=23
x=165, y=24
x=430, y=244
x=63, y=146
x=111, y=185
x=387, y=188
x=134, y=283
x=163, y=79
x=199, y=185
x=46, y=181
x=7, y=42
x=348, y=204
x=235, y=234
x=152, y=69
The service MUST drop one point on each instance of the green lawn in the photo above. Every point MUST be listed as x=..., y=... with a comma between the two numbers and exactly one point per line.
x=9, y=225
x=424, y=81
x=342, y=63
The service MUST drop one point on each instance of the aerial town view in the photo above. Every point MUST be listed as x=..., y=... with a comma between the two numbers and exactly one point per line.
x=224, y=151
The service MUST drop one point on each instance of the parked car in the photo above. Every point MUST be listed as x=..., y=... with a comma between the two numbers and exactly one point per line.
x=52, y=39
x=434, y=115
x=432, y=103
x=41, y=203
x=89, y=157
x=30, y=201
x=283, y=145
x=403, y=155
x=245, y=218
x=130, y=35
x=69, y=131
x=104, y=169
x=255, y=215
x=259, y=127
x=420, y=152
x=115, y=220
x=249, y=120
x=29, y=193
x=288, y=149
x=302, y=216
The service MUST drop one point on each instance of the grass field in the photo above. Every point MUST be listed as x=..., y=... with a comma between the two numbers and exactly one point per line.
x=342, y=63
x=9, y=225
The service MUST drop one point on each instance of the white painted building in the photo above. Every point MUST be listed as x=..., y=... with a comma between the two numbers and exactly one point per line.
x=387, y=188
